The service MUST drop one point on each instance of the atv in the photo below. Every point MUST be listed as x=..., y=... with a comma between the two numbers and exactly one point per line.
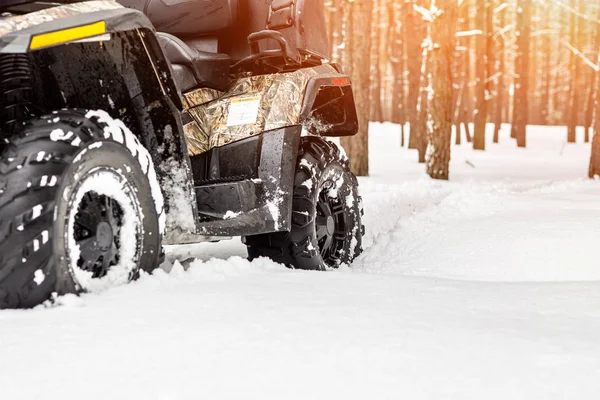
x=128, y=125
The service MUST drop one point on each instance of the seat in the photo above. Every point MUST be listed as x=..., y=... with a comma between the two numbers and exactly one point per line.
x=188, y=17
x=210, y=70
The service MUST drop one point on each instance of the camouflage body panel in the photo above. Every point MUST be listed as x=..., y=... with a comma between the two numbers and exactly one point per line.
x=281, y=98
x=200, y=96
x=19, y=22
x=196, y=139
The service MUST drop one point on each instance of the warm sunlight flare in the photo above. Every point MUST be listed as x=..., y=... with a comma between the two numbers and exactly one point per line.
x=519, y=62
x=299, y=199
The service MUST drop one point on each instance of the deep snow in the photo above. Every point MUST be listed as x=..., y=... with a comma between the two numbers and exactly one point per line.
x=485, y=287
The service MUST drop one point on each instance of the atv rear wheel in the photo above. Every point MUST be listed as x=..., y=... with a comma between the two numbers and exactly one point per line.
x=80, y=208
x=326, y=227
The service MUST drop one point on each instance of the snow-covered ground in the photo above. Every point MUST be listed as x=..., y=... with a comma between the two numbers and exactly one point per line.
x=485, y=287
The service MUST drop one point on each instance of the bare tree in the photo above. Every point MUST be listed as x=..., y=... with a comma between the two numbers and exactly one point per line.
x=592, y=94
x=413, y=49
x=481, y=111
x=574, y=68
x=396, y=56
x=357, y=147
x=463, y=98
x=594, y=169
x=423, y=102
x=547, y=68
x=376, y=109
x=500, y=46
x=443, y=33
x=521, y=101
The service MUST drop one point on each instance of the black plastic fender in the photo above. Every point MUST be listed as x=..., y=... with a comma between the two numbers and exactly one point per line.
x=328, y=108
x=116, y=19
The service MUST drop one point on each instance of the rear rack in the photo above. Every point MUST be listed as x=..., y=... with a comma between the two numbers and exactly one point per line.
x=291, y=57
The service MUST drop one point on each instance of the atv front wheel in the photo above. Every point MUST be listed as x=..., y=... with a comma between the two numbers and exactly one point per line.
x=326, y=227
x=80, y=208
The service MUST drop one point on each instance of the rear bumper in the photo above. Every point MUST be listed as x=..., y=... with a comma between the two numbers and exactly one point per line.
x=245, y=188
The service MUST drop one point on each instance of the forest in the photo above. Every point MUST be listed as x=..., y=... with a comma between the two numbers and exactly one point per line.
x=441, y=66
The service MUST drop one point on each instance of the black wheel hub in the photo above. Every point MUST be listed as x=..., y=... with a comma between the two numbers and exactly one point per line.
x=96, y=231
x=330, y=226
x=104, y=235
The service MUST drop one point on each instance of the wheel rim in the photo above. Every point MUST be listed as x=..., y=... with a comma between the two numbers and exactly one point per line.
x=330, y=226
x=97, y=228
x=104, y=231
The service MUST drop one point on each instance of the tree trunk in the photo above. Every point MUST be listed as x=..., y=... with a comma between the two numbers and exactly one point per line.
x=467, y=127
x=396, y=57
x=574, y=70
x=338, y=17
x=330, y=19
x=469, y=102
x=413, y=49
x=482, y=65
x=594, y=169
x=593, y=95
x=424, y=85
x=375, y=90
x=560, y=84
x=521, y=100
x=463, y=71
x=468, y=98
x=547, y=50
x=357, y=147
x=443, y=33
x=458, y=112
x=401, y=135
x=490, y=57
x=422, y=106
x=589, y=110
x=501, y=69
x=532, y=93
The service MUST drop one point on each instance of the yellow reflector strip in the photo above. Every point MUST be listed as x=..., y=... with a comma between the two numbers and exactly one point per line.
x=67, y=35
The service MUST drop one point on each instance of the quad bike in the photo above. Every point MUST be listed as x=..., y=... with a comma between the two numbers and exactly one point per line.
x=126, y=125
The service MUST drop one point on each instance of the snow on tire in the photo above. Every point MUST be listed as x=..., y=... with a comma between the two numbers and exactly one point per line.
x=327, y=228
x=80, y=208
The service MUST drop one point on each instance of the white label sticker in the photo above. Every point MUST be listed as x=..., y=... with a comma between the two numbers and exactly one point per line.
x=243, y=111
